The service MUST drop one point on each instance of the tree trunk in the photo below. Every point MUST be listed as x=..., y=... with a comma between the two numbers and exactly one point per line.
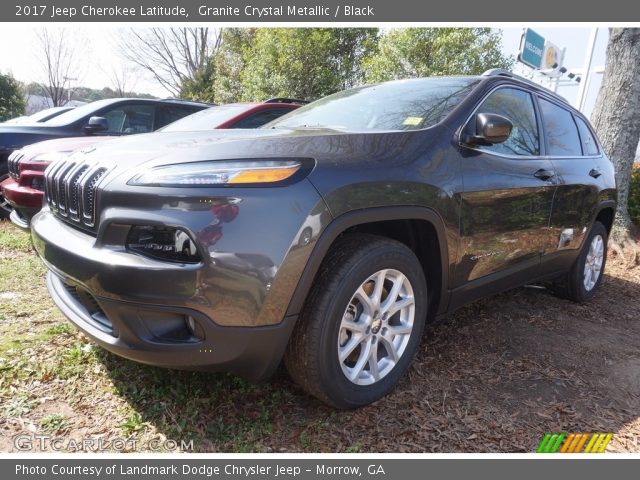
x=616, y=116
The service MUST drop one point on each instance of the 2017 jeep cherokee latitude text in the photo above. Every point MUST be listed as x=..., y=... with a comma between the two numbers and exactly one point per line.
x=331, y=236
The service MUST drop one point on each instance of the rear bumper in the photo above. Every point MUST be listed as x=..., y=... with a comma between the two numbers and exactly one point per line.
x=138, y=332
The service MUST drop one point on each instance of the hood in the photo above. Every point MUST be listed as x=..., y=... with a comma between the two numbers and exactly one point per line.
x=323, y=145
x=60, y=145
x=13, y=137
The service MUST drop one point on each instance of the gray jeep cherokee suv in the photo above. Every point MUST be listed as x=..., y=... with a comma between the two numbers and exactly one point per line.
x=331, y=236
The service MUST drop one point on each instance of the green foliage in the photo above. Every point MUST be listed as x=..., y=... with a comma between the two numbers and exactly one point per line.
x=85, y=94
x=12, y=102
x=305, y=63
x=422, y=52
x=230, y=62
x=201, y=87
x=634, y=196
x=258, y=63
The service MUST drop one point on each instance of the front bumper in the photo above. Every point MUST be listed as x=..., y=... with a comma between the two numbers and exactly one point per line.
x=24, y=199
x=137, y=306
x=132, y=331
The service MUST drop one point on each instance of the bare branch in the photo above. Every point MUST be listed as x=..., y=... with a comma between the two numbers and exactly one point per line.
x=57, y=63
x=172, y=55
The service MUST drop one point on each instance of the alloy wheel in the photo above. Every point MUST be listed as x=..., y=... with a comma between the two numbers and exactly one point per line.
x=376, y=327
x=593, y=263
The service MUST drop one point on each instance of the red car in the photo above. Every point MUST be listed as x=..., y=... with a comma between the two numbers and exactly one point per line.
x=24, y=190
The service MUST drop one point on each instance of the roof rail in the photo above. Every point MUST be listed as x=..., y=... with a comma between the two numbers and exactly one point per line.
x=182, y=100
x=286, y=100
x=501, y=72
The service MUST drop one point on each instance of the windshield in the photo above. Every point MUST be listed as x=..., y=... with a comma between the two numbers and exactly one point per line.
x=399, y=105
x=48, y=114
x=206, y=119
x=78, y=113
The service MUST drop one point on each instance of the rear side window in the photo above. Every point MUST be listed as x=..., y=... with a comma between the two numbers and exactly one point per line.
x=169, y=114
x=260, y=118
x=517, y=106
x=589, y=145
x=560, y=130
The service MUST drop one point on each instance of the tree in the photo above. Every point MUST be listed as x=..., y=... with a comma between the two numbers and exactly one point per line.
x=174, y=56
x=306, y=63
x=122, y=80
x=616, y=115
x=12, y=103
x=422, y=52
x=58, y=64
x=230, y=62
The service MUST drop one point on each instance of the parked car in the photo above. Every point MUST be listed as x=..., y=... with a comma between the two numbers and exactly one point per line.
x=23, y=192
x=38, y=117
x=112, y=117
x=431, y=193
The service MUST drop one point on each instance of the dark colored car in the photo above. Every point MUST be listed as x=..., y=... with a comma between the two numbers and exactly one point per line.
x=23, y=193
x=330, y=236
x=113, y=117
x=38, y=117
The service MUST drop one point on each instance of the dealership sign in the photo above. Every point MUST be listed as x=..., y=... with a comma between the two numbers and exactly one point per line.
x=531, y=49
x=539, y=53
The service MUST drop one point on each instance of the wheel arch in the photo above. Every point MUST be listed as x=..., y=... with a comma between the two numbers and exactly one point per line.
x=605, y=214
x=375, y=220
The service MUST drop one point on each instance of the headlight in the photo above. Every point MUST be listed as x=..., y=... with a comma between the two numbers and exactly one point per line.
x=202, y=174
x=49, y=157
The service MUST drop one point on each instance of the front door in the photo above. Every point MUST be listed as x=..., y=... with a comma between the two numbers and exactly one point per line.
x=507, y=196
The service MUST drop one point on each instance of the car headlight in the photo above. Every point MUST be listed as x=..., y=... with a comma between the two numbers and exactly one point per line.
x=203, y=174
x=49, y=157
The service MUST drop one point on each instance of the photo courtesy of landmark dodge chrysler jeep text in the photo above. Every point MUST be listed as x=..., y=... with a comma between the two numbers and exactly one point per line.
x=331, y=235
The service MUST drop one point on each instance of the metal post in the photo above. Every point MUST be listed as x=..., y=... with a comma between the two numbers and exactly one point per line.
x=586, y=71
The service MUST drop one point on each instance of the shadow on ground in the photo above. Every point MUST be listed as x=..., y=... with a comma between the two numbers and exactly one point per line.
x=496, y=376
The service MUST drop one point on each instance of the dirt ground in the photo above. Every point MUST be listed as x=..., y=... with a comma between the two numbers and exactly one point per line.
x=494, y=377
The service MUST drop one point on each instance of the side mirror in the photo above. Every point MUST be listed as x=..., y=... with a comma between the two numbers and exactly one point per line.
x=490, y=128
x=96, y=124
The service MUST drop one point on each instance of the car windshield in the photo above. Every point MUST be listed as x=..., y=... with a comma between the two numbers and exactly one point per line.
x=78, y=113
x=48, y=114
x=399, y=105
x=206, y=119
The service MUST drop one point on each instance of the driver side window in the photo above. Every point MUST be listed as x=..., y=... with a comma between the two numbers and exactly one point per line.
x=517, y=106
x=130, y=119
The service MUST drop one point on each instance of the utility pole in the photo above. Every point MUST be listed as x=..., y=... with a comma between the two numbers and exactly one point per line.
x=69, y=80
x=586, y=71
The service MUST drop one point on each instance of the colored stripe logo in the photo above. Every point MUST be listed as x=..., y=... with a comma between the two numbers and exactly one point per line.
x=574, y=443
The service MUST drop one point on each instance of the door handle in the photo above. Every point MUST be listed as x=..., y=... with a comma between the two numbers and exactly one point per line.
x=543, y=174
x=595, y=173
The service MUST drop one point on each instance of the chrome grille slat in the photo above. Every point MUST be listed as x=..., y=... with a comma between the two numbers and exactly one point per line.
x=13, y=163
x=60, y=188
x=71, y=191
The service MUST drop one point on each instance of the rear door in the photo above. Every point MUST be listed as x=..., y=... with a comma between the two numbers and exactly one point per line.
x=507, y=198
x=573, y=152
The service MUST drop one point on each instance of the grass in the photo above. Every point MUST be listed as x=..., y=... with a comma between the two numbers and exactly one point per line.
x=495, y=377
x=14, y=240
x=54, y=423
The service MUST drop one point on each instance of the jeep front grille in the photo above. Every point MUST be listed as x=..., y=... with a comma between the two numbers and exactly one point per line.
x=13, y=161
x=71, y=191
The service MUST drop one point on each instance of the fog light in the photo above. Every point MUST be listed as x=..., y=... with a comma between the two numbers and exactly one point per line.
x=165, y=243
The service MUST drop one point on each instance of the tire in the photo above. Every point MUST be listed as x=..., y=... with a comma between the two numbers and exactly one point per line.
x=336, y=316
x=575, y=286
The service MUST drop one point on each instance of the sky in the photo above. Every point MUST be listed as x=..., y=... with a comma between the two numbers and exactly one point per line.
x=96, y=48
